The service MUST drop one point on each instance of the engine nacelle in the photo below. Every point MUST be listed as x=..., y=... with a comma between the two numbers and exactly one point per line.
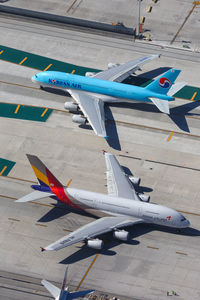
x=71, y=106
x=79, y=119
x=134, y=180
x=144, y=198
x=121, y=235
x=111, y=65
x=95, y=244
x=90, y=74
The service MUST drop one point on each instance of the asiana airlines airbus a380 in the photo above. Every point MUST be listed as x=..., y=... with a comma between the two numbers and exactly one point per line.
x=91, y=91
x=122, y=206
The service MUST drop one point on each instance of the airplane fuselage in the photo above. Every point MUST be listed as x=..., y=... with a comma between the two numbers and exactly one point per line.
x=149, y=212
x=96, y=86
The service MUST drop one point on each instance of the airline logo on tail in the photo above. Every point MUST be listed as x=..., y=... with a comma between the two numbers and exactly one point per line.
x=164, y=82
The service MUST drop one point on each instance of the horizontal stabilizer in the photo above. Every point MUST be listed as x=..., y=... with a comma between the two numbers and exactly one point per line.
x=75, y=295
x=53, y=290
x=162, y=105
x=175, y=88
x=36, y=195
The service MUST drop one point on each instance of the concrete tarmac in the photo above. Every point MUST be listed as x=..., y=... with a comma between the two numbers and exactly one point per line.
x=157, y=259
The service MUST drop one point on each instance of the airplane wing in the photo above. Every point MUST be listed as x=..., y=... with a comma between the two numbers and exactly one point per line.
x=53, y=290
x=36, y=195
x=93, y=229
x=121, y=72
x=118, y=183
x=93, y=109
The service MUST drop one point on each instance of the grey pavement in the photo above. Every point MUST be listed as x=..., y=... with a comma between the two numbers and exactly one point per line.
x=157, y=259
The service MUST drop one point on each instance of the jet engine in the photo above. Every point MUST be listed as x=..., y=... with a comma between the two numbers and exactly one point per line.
x=112, y=65
x=134, y=180
x=144, y=198
x=90, y=74
x=95, y=244
x=79, y=119
x=72, y=107
x=121, y=235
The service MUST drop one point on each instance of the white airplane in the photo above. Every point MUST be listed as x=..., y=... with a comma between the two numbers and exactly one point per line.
x=63, y=293
x=91, y=91
x=122, y=207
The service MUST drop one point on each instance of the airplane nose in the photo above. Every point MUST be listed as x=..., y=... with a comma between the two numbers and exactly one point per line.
x=34, y=78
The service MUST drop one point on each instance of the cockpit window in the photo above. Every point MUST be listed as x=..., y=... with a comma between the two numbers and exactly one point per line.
x=183, y=219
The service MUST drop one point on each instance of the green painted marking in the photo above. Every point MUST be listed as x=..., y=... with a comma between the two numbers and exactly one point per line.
x=8, y=164
x=40, y=63
x=25, y=112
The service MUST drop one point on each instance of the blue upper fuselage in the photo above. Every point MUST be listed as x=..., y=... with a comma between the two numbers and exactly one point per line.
x=97, y=86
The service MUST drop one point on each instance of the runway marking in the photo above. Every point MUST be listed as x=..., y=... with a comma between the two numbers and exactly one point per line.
x=73, y=72
x=151, y=247
x=47, y=67
x=13, y=219
x=16, y=110
x=42, y=225
x=182, y=253
x=90, y=266
x=71, y=6
x=4, y=168
x=23, y=60
x=21, y=85
x=44, y=112
x=67, y=230
x=193, y=96
x=1, y=51
x=170, y=136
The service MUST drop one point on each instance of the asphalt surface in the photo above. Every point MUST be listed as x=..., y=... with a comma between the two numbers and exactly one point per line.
x=157, y=259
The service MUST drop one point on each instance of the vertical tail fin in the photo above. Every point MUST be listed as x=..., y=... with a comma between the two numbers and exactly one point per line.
x=43, y=174
x=64, y=279
x=164, y=83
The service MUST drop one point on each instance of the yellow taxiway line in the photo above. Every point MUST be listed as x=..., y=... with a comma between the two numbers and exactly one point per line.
x=23, y=60
x=192, y=99
x=90, y=266
x=47, y=67
x=16, y=110
x=44, y=112
x=1, y=173
x=170, y=136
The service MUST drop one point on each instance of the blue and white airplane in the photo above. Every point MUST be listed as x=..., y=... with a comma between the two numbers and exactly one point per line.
x=91, y=91
x=63, y=293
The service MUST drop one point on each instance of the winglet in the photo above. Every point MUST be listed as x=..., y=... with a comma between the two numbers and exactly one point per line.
x=42, y=249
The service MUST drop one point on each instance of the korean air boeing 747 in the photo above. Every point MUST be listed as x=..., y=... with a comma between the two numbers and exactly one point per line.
x=90, y=92
x=122, y=206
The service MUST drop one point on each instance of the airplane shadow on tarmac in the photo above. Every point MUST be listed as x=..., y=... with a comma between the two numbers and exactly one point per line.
x=84, y=252
x=59, y=210
x=178, y=114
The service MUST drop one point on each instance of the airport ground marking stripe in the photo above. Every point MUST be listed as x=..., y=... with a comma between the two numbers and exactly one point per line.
x=71, y=6
x=16, y=110
x=13, y=219
x=1, y=51
x=4, y=168
x=182, y=253
x=73, y=72
x=170, y=136
x=47, y=67
x=42, y=225
x=90, y=266
x=194, y=95
x=44, y=112
x=151, y=247
x=23, y=60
